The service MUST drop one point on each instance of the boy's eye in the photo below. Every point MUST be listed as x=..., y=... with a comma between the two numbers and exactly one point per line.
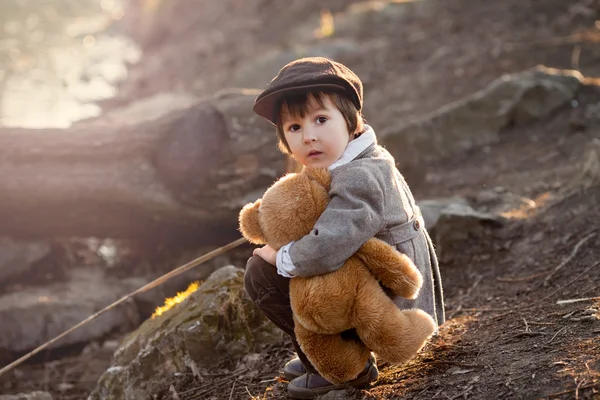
x=294, y=128
x=321, y=120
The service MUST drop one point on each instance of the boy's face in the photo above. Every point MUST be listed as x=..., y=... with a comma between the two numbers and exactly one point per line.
x=320, y=138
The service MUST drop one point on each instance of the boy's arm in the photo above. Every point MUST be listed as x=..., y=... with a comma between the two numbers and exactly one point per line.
x=354, y=215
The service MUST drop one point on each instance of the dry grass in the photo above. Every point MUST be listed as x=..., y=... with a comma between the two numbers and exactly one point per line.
x=170, y=302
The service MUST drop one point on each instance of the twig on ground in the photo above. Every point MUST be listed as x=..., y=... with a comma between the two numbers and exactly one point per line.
x=232, y=387
x=521, y=278
x=559, y=331
x=463, y=393
x=474, y=285
x=569, y=301
x=570, y=283
x=589, y=385
x=570, y=257
x=249, y=394
x=590, y=290
x=526, y=306
x=577, y=388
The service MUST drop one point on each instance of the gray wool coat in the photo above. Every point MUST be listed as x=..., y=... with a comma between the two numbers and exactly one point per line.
x=370, y=198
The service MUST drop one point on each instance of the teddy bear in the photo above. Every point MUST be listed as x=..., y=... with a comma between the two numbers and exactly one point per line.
x=351, y=297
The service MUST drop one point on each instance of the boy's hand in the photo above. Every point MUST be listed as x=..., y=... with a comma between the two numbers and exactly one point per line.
x=267, y=253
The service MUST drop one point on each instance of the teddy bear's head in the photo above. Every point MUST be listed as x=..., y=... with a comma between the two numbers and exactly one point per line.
x=288, y=210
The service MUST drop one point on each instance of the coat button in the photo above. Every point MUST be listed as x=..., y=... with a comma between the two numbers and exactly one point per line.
x=417, y=225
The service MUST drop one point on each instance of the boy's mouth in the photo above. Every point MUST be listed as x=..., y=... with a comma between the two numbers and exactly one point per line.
x=314, y=153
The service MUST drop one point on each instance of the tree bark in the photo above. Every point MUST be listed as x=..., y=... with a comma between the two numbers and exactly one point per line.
x=182, y=176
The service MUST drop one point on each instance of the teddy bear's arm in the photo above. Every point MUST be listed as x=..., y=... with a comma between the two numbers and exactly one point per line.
x=249, y=223
x=393, y=269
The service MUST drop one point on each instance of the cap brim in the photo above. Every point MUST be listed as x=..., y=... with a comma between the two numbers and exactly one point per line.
x=265, y=106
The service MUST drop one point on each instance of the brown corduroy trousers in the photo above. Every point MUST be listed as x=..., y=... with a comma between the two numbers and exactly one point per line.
x=271, y=293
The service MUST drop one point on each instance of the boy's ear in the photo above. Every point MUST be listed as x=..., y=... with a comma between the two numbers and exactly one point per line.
x=249, y=223
x=320, y=175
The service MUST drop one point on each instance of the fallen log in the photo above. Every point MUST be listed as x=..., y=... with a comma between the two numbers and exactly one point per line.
x=180, y=176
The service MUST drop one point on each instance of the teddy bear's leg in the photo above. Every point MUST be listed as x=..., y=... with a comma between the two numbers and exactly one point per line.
x=323, y=303
x=395, y=335
x=337, y=359
x=395, y=270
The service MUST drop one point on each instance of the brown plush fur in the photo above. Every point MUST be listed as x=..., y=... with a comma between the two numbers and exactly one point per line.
x=349, y=298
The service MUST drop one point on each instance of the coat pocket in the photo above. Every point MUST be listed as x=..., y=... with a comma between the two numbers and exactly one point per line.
x=418, y=251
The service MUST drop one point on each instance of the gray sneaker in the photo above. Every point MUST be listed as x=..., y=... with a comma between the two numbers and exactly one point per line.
x=293, y=369
x=309, y=386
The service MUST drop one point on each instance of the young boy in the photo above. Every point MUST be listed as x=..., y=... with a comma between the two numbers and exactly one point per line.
x=316, y=106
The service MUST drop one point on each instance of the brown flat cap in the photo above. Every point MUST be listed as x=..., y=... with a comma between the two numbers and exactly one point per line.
x=308, y=74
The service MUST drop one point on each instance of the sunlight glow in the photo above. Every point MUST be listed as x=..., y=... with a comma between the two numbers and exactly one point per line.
x=525, y=210
x=57, y=71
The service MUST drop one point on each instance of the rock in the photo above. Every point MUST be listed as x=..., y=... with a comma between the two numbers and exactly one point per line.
x=500, y=201
x=34, y=315
x=38, y=395
x=478, y=119
x=147, y=301
x=17, y=257
x=218, y=322
x=456, y=224
x=433, y=208
x=453, y=220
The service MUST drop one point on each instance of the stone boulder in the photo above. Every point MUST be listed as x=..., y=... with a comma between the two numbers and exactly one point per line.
x=17, y=257
x=457, y=223
x=453, y=220
x=432, y=209
x=478, y=119
x=216, y=323
x=33, y=315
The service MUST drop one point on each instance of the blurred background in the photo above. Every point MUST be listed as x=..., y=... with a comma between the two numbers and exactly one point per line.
x=128, y=145
x=58, y=58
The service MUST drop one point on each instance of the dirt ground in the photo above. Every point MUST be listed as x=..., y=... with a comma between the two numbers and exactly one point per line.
x=506, y=337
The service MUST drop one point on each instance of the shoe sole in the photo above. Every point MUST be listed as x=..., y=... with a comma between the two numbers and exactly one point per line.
x=359, y=383
x=289, y=375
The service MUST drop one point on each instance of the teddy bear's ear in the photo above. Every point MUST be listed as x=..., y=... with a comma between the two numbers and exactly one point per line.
x=320, y=175
x=249, y=223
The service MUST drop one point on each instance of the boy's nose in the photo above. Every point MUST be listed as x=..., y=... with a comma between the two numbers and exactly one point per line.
x=309, y=136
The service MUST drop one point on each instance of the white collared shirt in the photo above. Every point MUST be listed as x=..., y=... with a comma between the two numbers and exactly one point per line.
x=285, y=266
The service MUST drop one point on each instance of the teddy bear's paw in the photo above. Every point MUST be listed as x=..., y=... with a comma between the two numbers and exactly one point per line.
x=401, y=337
x=402, y=277
x=392, y=268
x=422, y=325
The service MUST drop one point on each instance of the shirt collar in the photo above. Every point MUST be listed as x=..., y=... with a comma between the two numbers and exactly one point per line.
x=355, y=147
